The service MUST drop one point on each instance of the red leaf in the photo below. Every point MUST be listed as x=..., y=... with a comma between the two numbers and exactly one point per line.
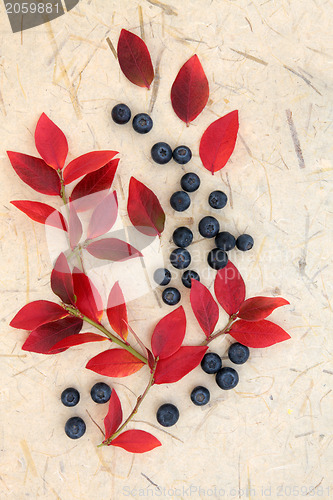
x=43, y=338
x=112, y=249
x=136, y=441
x=36, y=173
x=204, y=307
x=257, y=333
x=218, y=142
x=178, y=365
x=258, y=308
x=62, y=280
x=40, y=212
x=51, y=142
x=144, y=209
x=77, y=339
x=169, y=333
x=37, y=313
x=134, y=59
x=150, y=357
x=114, y=416
x=75, y=227
x=88, y=299
x=229, y=288
x=117, y=311
x=115, y=363
x=190, y=90
x=104, y=216
x=94, y=186
x=87, y=163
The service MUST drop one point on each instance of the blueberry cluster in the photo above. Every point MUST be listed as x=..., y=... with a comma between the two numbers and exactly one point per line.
x=75, y=427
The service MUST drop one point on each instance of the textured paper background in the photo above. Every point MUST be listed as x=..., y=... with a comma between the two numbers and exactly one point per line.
x=273, y=62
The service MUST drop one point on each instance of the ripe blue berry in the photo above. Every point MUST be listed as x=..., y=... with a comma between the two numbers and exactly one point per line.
x=180, y=201
x=100, y=393
x=75, y=427
x=244, y=242
x=227, y=378
x=190, y=182
x=209, y=227
x=161, y=153
x=217, y=259
x=217, y=199
x=70, y=396
x=171, y=296
x=188, y=276
x=182, y=237
x=180, y=258
x=182, y=154
x=162, y=276
x=238, y=353
x=211, y=362
x=200, y=396
x=167, y=415
x=121, y=114
x=142, y=123
x=225, y=241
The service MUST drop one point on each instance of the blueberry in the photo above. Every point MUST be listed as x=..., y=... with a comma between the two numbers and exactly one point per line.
x=238, y=353
x=182, y=154
x=209, y=227
x=180, y=201
x=161, y=153
x=217, y=199
x=180, y=258
x=211, y=362
x=244, y=242
x=188, y=276
x=167, y=415
x=121, y=114
x=75, y=427
x=200, y=396
x=182, y=237
x=227, y=378
x=142, y=123
x=70, y=397
x=100, y=393
x=162, y=276
x=171, y=296
x=190, y=182
x=225, y=241
x=217, y=258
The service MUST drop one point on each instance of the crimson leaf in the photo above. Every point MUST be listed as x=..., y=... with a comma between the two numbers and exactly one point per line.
x=51, y=142
x=178, y=365
x=204, y=307
x=257, y=333
x=144, y=209
x=136, y=441
x=37, y=313
x=229, y=288
x=115, y=363
x=169, y=333
x=134, y=59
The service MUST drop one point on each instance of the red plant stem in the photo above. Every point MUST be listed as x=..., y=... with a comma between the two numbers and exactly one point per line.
x=224, y=330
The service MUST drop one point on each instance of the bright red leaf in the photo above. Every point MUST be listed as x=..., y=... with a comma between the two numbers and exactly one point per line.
x=114, y=416
x=218, y=142
x=87, y=163
x=115, y=363
x=103, y=217
x=75, y=227
x=190, y=90
x=117, y=311
x=88, y=299
x=257, y=333
x=62, y=281
x=136, y=441
x=258, y=308
x=40, y=212
x=36, y=173
x=169, y=333
x=144, y=209
x=178, y=365
x=77, y=339
x=112, y=249
x=229, y=288
x=204, y=307
x=43, y=338
x=37, y=313
x=51, y=142
x=134, y=59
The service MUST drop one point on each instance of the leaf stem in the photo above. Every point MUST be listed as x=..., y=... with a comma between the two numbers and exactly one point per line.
x=224, y=330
